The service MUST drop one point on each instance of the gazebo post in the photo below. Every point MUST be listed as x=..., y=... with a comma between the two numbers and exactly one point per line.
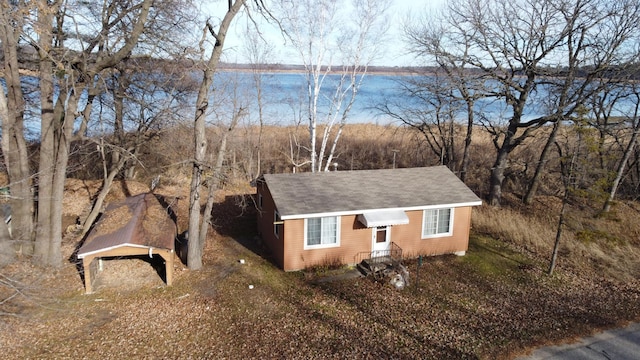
x=86, y=267
x=167, y=255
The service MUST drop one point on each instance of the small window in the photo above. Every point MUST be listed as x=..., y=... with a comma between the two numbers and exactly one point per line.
x=277, y=224
x=259, y=201
x=437, y=222
x=322, y=232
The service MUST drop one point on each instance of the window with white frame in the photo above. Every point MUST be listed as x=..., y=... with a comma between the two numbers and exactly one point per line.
x=437, y=222
x=322, y=232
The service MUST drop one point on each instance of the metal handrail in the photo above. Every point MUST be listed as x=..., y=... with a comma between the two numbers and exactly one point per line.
x=394, y=253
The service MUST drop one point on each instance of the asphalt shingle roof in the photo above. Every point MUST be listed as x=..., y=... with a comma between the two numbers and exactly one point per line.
x=137, y=221
x=359, y=190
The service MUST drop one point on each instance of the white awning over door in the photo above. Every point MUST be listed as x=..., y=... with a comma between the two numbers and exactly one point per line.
x=383, y=218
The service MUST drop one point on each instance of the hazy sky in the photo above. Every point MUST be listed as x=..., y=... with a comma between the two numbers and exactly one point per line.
x=394, y=56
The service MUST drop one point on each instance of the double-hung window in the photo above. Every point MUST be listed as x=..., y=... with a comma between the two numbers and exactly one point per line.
x=437, y=222
x=322, y=232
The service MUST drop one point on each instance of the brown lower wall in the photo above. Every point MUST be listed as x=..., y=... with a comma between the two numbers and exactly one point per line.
x=356, y=239
x=265, y=225
x=409, y=237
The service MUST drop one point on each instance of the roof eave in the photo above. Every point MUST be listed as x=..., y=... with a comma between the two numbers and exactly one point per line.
x=107, y=249
x=360, y=211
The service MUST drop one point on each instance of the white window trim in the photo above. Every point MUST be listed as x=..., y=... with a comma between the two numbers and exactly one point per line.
x=438, y=235
x=323, y=246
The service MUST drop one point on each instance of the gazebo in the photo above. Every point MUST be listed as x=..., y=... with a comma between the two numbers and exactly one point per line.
x=138, y=225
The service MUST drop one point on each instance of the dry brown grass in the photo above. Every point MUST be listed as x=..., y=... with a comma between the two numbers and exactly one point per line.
x=590, y=243
x=532, y=235
x=495, y=303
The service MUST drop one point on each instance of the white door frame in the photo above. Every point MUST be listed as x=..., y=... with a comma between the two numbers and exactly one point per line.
x=382, y=246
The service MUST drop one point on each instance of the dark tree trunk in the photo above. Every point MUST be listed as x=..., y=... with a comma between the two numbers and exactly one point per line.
x=497, y=175
x=467, y=142
x=195, y=248
x=14, y=147
x=542, y=161
x=556, y=245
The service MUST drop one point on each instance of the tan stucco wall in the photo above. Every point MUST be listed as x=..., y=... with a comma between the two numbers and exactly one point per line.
x=265, y=225
x=356, y=239
x=409, y=237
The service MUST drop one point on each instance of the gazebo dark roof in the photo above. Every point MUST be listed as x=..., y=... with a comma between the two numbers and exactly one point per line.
x=137, y=225
x=138, y=221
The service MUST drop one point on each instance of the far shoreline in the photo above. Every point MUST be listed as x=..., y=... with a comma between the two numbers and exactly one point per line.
x=293, y=69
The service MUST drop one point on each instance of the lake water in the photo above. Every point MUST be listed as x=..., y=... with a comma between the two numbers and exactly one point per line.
x=285, y=100
x=285, y=97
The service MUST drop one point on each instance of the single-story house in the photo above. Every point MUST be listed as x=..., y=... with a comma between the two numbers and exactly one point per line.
x=343, y=217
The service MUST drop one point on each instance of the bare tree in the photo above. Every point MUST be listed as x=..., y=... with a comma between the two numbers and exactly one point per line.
x=567, y=169
x=574, y=152
x=75, y=43
x=582, y=83
x=432, y=40
x=432, y=112
x=321, y=39
x=227, y=119
x=633, y=120
x=196, y=242
x=258, y=52
x=14, y=147
x=145, y=96
x=526, y=47
x=120, y=25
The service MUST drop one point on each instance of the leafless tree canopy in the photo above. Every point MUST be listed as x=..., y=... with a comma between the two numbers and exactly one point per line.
x=513, y=51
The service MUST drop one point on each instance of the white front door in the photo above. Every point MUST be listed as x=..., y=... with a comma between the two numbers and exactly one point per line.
x=381, y=238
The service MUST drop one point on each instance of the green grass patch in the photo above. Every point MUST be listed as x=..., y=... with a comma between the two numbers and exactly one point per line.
x=588, y=236
x=494, y=258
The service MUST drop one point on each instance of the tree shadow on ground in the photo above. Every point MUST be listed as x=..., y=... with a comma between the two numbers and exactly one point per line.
x=236, y=217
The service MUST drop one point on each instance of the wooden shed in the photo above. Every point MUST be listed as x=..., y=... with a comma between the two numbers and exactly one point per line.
x=138, y=225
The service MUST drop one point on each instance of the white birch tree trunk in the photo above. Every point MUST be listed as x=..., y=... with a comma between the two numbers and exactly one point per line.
x=323, y=32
